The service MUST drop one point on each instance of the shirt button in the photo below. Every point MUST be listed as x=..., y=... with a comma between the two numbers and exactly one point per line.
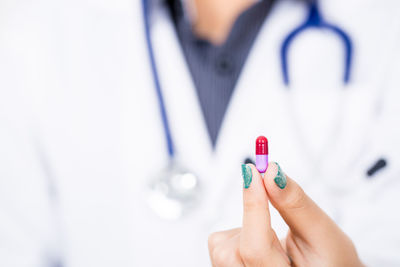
x=224, y=65
x=200, y=43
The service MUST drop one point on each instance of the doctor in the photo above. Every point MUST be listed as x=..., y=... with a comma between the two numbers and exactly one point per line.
x=124, y=124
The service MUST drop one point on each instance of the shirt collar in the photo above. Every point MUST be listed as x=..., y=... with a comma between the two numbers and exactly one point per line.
x=161, y=5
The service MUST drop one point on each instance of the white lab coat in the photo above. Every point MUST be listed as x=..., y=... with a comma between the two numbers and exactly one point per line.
x=81, y=135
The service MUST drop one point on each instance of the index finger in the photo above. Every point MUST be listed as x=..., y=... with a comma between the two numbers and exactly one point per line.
x=256, y=230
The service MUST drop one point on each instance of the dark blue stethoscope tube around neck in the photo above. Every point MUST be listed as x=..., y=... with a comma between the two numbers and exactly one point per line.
x=157, y=84
x=315, y=20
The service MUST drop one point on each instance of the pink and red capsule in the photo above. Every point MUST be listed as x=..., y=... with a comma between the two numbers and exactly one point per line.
x=262, y=154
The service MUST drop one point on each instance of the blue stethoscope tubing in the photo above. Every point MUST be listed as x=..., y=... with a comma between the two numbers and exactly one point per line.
x=314, y=20
x=157, y=84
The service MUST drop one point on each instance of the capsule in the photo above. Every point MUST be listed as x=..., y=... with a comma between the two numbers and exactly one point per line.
x=262, y=154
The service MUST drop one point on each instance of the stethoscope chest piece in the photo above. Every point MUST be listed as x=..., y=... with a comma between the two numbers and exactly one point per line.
x=173, y=192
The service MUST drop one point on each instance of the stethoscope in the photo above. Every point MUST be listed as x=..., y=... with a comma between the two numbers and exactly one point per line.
x=175, y=190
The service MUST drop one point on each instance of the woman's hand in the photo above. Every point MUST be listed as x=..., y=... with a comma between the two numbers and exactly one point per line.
x=313, y=239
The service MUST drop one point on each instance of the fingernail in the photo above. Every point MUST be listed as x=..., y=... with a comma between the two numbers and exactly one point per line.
x=247, y=175
x=280, y=178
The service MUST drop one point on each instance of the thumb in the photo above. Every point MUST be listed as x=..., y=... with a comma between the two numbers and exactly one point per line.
x=304, y=218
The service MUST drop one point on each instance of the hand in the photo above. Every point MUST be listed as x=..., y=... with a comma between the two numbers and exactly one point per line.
x=313, y=239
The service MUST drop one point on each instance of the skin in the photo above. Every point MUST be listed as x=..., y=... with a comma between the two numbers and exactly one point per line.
x=313, y=239
x=214, y=18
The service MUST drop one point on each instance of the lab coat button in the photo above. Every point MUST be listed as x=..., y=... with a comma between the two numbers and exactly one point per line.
x=224, y=65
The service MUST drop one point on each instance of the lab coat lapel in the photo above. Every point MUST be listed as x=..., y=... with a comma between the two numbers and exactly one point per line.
x=193, y=147
x=184, y=113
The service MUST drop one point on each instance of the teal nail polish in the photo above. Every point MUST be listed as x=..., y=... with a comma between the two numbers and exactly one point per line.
x=280, y=178
x=247, y=176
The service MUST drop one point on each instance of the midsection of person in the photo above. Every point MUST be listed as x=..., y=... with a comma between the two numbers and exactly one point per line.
x=108, y=120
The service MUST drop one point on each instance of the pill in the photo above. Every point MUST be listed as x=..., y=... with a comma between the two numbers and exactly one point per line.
x=262, y=154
